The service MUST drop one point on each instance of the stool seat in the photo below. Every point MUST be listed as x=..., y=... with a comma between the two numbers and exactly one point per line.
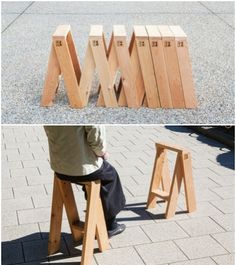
x=93, y=227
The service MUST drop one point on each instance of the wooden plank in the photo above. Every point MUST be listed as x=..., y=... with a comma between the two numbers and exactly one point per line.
x=90, y=223
x=101, y=230
x=172, y=67
x=68, y=72
x=52, y=79
x=158, y=58
x=102, y=66
x=185, y=67
x=88, y=69
x=126, y=68
x=156, y=177
x=171, y=147
x=166, y=181
x=56, y=219
x=70, y=207
x=175, y=188
x=146, y=64
x=62, y=31
x=161, y=194
x=139, y=84
x=188, y=182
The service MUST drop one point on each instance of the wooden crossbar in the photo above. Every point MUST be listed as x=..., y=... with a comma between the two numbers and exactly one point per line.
x=94, y=224
x=163, y=187
x=154, y=69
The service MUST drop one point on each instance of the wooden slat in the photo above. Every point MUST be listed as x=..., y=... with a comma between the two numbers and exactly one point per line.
x=62, y=31
x=161, y=194
x=159, y=66
x=56, y=219
x=188, y=182
x=52, y=79
x=185, y=67
x=68, y=71
x=102, y=66
x=125, y=66
x=146, y=64
x=171, y=147
x=172, y=67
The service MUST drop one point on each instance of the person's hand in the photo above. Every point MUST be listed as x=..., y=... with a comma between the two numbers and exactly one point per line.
x=105, y=156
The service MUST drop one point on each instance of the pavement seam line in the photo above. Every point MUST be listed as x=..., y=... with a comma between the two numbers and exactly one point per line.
x=215, y=14
x=13, y=21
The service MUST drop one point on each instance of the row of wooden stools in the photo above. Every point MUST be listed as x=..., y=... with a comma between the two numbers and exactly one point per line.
x=153, y=70
x=162, y=186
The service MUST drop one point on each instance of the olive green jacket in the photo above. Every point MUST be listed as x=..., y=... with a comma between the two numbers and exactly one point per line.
x=76, y=150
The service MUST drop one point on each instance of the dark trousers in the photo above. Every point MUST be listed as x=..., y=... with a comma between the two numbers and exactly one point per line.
x=112, y=196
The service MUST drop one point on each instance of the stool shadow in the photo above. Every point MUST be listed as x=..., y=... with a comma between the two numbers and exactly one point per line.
x=33, y=248
x=143, y=214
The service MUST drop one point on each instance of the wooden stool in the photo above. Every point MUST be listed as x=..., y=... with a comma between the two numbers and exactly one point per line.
x=171, y=189
x=94, y=224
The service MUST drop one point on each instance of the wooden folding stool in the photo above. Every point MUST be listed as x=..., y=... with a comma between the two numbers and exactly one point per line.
x=171, y=188
x=94, y=224
x=62, y=61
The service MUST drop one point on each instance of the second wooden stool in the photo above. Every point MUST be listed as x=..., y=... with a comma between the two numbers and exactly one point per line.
x=94, y=224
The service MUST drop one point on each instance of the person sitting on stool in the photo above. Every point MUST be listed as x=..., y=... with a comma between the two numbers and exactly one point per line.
x=78, y=154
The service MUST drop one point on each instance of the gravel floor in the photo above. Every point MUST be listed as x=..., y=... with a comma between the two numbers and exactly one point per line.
x=26, y=37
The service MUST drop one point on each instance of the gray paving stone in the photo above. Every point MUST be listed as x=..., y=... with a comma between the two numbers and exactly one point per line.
x=23, y=172
x=13, y=182
x=159, y=253
x=20, y=232
x=9, y=218
x=224, y=259
x=34, y=215
x=17, y=157
x=225, y=192
x=226, y=240
x=38, y=250
x=222, y=7
x=16, y=204
x=119, y=256
x=205, y=195
x=200, y=247
x=224, y=180
x=164, y=231
x=200, y=226
x=226, y=206
x=12, y=253
x=7, y=194
x=11, y=165
x=28, y=191
x=225, y=220
x=205, y=209
x=204, y=261
x=131, y=236
x=37, y=180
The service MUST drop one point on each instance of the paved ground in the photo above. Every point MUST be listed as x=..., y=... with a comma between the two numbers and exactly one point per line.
x=200, y=238
x=26, y=37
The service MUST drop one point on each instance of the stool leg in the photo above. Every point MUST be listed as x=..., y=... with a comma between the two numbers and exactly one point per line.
x=70, y=206
x=56, y=219
x=101, y=230
x=165, y=181
x=156, y=177
x=175, y=188
x=90, y=222
x=188, y=183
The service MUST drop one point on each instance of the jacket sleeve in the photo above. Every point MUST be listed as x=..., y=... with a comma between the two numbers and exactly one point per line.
x=96, y=138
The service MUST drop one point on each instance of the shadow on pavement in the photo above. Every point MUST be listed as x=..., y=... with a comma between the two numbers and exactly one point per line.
x=225, y=159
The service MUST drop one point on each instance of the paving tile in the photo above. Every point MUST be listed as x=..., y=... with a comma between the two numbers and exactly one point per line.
x=226, y=206
x=159, y=253
x=200, y=226
x=200, y=247
x=206, y=195
x=23, y=172
x=7, y=194
x=205, y=209
x=226, y=240
x=164, y=231
x=12, y=253
x=16, y=204
x=204, y=261
x=28, y=191
x=20, y=232
x=224, y=259
x=224, y=180
x=119, y=256
x=37, y=180
x=225, y=192
x=34, y=215
x=131, y=236
x=13, y=182
x=225, y=220
x=38, y=250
